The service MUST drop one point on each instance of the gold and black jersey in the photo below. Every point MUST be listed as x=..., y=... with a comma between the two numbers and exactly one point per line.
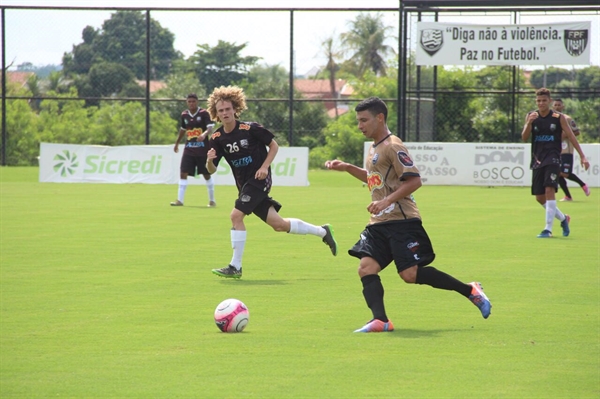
x=388, y=164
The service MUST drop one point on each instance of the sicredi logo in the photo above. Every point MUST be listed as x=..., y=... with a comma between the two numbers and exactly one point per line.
x=65, y=163
x=103, y=164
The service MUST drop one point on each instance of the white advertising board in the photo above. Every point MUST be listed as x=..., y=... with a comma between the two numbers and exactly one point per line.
x=459, y=44
x=151, y=164
x=487, y=164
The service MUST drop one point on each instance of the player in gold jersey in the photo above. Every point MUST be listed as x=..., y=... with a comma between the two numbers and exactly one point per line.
x=566, y=156
x=395, y=232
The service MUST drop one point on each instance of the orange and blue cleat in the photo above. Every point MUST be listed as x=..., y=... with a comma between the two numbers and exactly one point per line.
x=377, y=325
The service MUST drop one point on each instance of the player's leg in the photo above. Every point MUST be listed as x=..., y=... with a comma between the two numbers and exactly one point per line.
x=584, y=187
x=238, y=243
x=181, y=188
x=210, y=182
x=373, y=293
x=297, y=226
x=187, y=168
x=562, y=182
x=566, y=165
x=373, y=252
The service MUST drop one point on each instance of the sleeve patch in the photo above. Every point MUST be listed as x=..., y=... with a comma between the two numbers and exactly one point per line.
x=405, y=159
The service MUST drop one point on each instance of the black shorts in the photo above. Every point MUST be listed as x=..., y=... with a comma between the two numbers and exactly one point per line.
x=566, y=164
x=546, y=176
x=254, y=200
x=191, y=163
x=405, y=242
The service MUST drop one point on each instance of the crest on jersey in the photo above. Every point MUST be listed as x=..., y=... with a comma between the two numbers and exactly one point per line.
x=553, y=127
x=576, y=41
x=375, y=158
x=405, y=159
x=432, y=40
x=244, y=143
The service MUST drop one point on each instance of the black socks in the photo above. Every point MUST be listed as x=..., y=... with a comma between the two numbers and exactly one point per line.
x=437, y=279
x=373, y=293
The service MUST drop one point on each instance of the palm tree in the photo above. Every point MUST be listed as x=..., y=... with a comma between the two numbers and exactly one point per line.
x=34, y=86
x=329, y=50
x=55, y=82
x=366, y=39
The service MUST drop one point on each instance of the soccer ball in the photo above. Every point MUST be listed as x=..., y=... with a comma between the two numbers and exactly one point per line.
x=231, y=315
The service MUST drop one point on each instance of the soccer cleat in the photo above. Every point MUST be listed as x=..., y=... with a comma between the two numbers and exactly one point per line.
x=586, y=190
x=177, y=203
x=545, y=234
x=480, y=300
x=228, y=272
x=329, y=239
x=376, y=325
x=565, y=225
x=566, y=199
x=211, y=204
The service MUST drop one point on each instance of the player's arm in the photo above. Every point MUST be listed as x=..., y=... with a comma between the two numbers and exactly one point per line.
x=263, y=171
x=571, y=137
x=526, y=132
x=207, y=133
x=359, y=173
x=410, y=184
x=211, y=155
x=179, y=137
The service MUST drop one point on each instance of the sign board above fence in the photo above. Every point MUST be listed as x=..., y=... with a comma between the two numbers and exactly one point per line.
x=460, y=44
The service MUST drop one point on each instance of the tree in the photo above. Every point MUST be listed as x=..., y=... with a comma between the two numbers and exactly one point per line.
x=122, y=40
x=549, y=77
x=332, y=55
x=366, y=39
x=108, y=79
x=309, y=117
x=178, y=84
x=221, y=65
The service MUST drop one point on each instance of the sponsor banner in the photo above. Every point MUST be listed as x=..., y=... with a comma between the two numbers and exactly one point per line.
x=71, y=163
x=459, y=44
x=487, y=164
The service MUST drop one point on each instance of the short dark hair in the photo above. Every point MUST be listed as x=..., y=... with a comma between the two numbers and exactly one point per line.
x=558, y=99
x=543, y=92
x=374, y=105
x=192, y=95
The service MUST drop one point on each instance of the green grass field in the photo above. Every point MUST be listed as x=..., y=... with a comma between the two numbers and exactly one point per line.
x=106, y=291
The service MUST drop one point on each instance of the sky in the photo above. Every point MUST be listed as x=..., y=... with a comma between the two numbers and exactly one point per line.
x=43, y=36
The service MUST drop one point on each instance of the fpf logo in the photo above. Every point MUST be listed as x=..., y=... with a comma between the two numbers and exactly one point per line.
x=65, y=163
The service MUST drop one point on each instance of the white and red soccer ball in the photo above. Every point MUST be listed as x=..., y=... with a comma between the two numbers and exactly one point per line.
x=231, y=316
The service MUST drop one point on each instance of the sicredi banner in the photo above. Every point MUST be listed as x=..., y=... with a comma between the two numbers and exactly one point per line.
x=487, y=164
x=459, y=44
x=151, y=164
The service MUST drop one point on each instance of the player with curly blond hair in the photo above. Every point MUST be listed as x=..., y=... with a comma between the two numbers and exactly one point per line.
x=244, y=147
x=235, y=95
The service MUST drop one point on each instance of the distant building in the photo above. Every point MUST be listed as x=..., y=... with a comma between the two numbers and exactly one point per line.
x=321, y=88
x=155, y=85
x=18, y=78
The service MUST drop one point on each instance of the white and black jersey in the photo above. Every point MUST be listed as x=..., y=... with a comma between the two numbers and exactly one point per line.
x=245, y=150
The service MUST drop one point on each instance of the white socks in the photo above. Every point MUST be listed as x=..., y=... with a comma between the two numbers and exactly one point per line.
x=298, y=226
x=183, y=183
x=182, y=187
x=552, y=212
x=210, y=185
x=238, y=241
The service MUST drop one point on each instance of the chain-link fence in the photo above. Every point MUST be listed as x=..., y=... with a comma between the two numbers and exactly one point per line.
x=124, y=77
